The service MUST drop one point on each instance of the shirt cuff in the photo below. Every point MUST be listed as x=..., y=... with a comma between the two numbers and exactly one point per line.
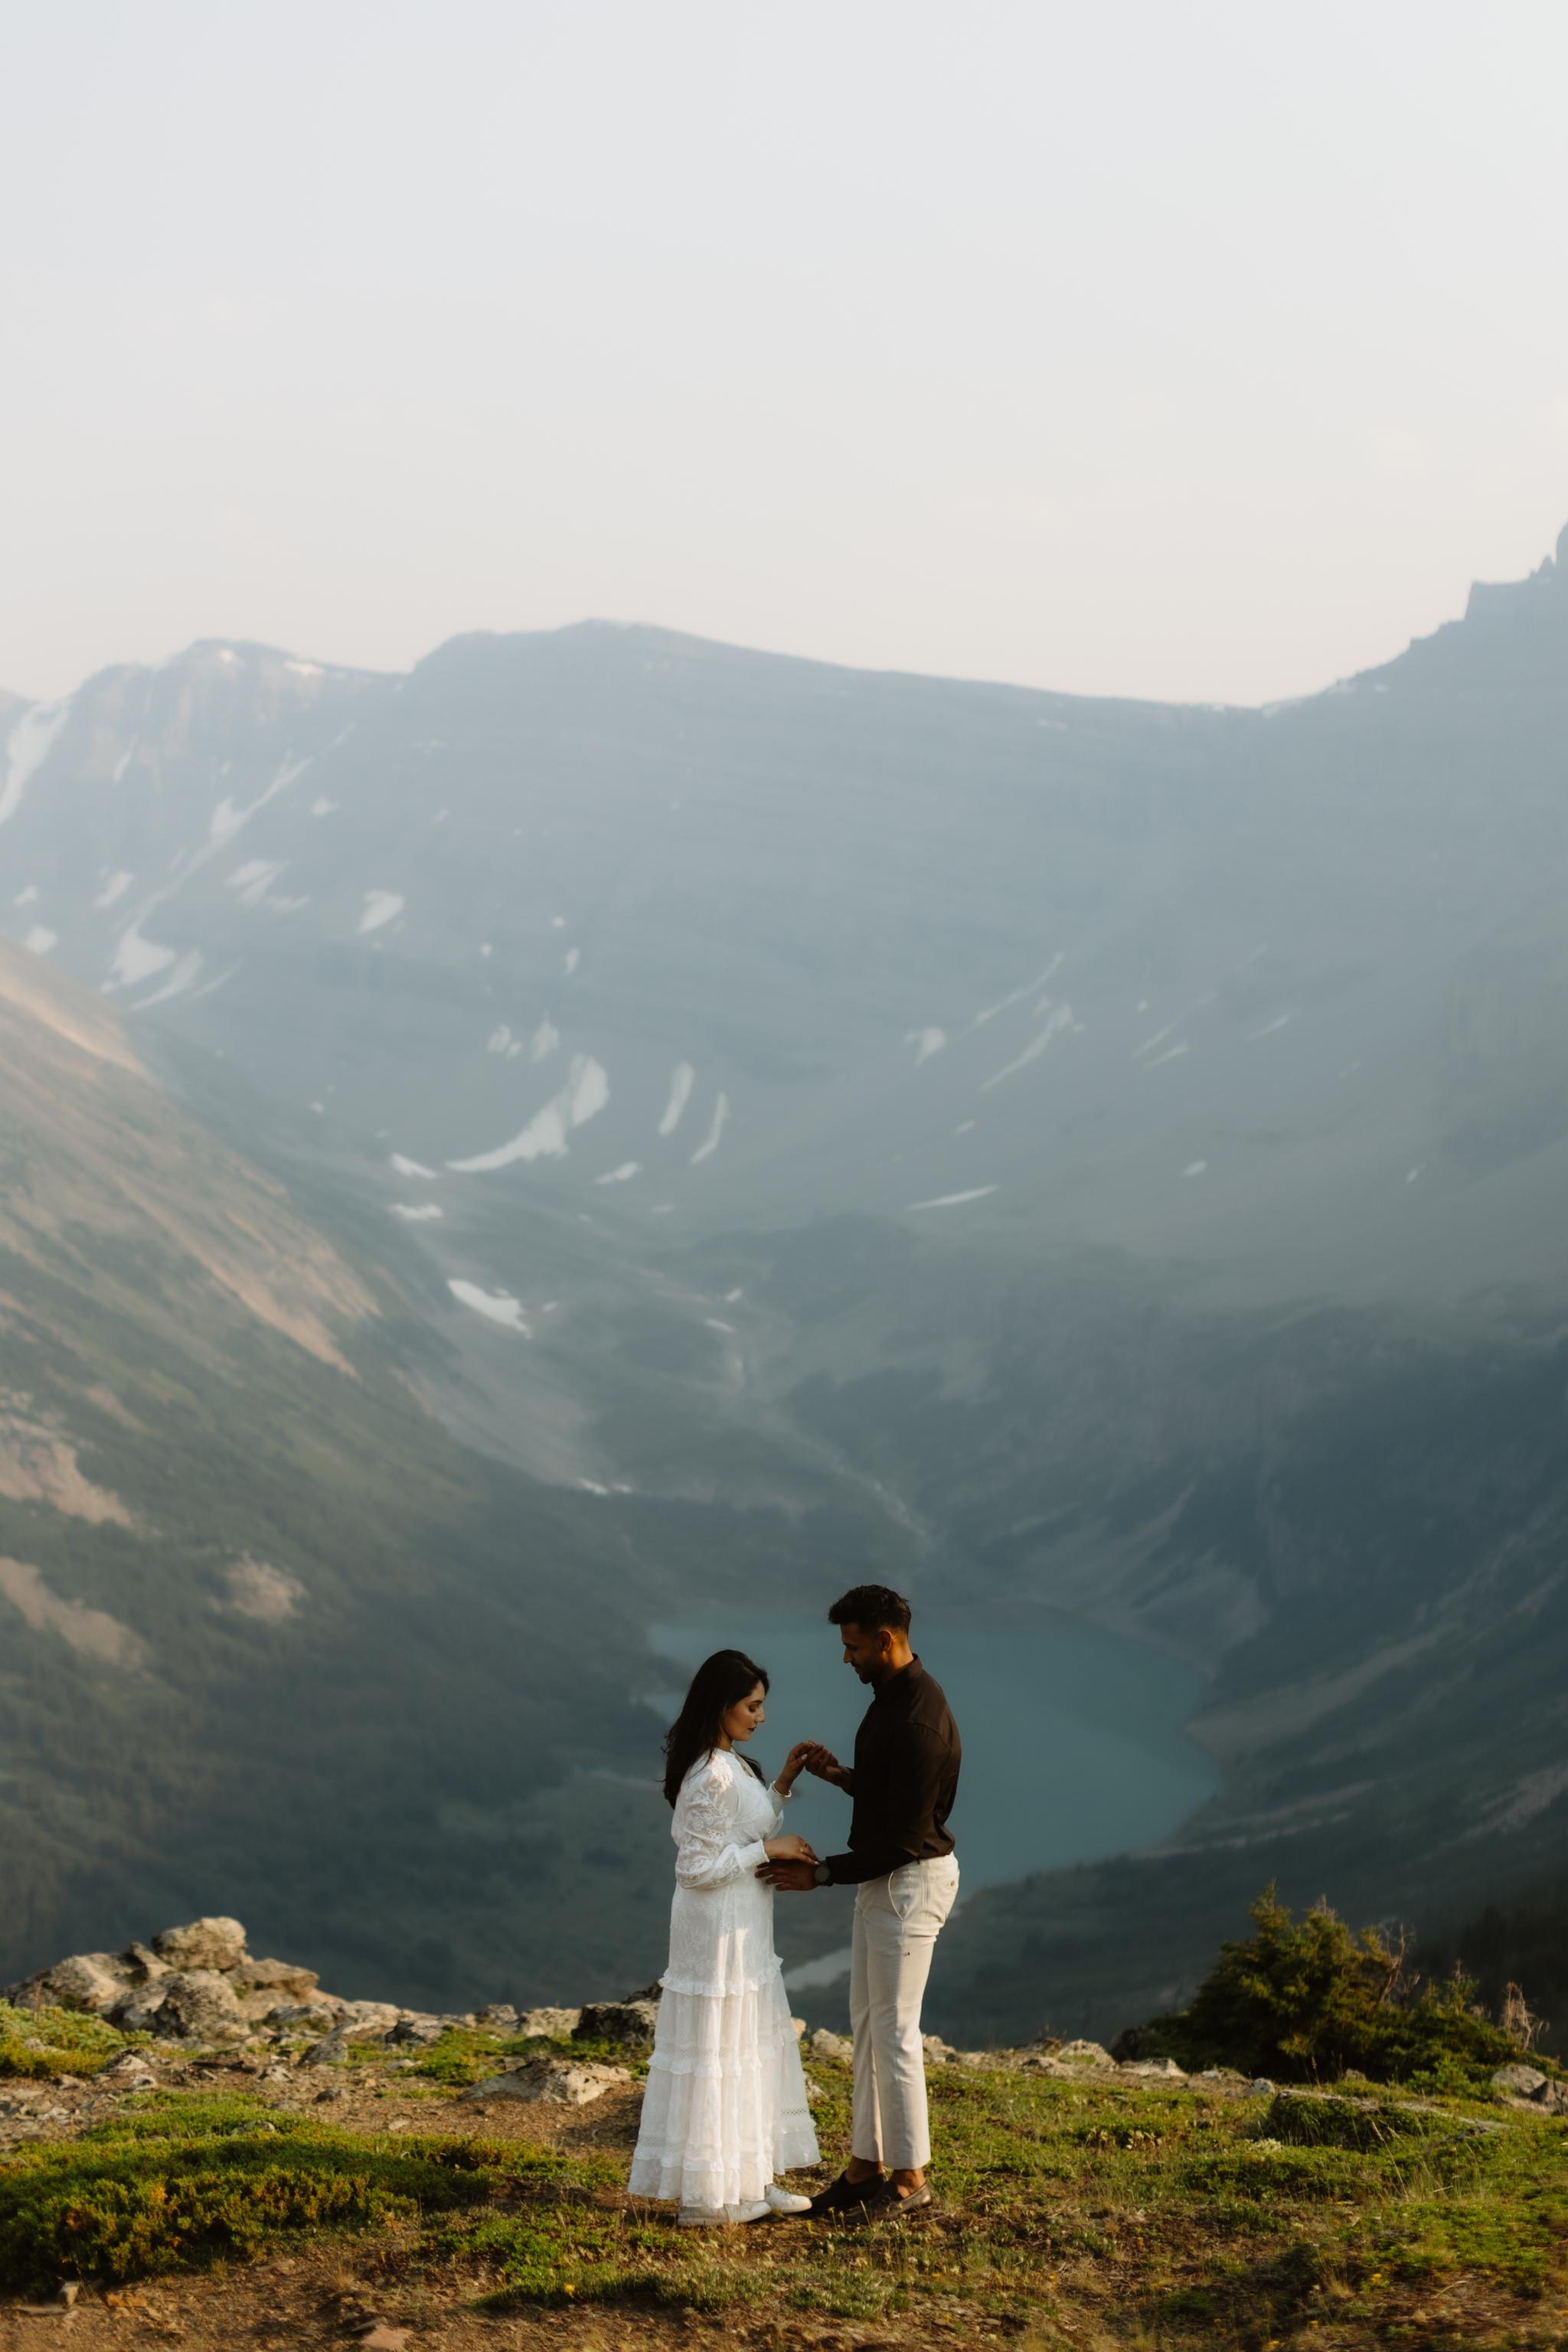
x=754, y=1856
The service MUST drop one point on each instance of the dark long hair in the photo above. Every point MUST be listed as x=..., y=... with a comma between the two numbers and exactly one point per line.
x=719, y=1683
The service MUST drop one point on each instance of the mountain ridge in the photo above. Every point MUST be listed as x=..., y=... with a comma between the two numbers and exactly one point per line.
x=1484, y=598
x=780, y=1100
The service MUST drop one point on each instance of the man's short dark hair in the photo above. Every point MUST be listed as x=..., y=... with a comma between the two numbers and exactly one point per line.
x=872, y=1606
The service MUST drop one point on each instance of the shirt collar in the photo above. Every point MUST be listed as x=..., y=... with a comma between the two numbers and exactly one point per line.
x=900, y=1685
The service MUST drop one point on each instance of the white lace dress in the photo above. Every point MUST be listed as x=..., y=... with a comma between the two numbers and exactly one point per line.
x=725, y=2105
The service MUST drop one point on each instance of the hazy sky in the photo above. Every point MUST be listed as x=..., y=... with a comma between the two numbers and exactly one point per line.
x=1168, y=349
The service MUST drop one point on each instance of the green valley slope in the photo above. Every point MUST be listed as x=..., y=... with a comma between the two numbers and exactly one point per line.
x=269, y=1639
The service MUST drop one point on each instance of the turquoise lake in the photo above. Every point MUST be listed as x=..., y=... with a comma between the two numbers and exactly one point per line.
x=1074, y=1746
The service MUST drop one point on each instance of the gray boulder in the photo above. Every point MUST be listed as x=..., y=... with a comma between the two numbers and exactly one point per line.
x=1520, y=2083
x=824, y=2045
x=91, y=1981
x=142, y=1964
x=128, y=2071
x=279, y=1979
x=217, y=1942
x=332, y=2049
x=414, y=2032
x=630, y=2023
x=1084, y=2053
x=301, y=2017
x=552, y=2025
x=137, y=2010
x=366, y=2020
x=197, y=2005
x=562, y=2082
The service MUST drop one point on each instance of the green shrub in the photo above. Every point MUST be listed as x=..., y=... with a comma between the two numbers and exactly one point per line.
x=1301, y=2120
x=43, y=2042
x=1310, y=1999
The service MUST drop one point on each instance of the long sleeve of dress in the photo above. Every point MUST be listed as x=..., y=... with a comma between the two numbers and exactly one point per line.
x=709, y=1847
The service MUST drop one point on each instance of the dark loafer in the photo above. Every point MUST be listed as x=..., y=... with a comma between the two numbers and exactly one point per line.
x=887, y=2203
x=844, y=2195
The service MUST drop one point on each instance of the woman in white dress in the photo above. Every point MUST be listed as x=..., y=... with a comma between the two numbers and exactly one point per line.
x=725, y=2105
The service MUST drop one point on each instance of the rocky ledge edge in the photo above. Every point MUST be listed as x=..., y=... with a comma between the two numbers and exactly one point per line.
x=199, y=1988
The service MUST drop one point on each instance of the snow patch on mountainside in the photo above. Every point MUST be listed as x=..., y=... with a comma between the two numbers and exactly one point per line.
x=410, y=1167
x=1005, y=1003
x=495, y=1305
x=182, y=978
x=926, y=1042
x=253, y=880
x=40, y=940
x=27, y=749
x=1059, y=1024
x=113, y=891
x=952, y=1200
x=380, y=907
x=621, y=1175
x=136, y=960
x=681, y=1088
x=709, y=1143
x=583, y=1098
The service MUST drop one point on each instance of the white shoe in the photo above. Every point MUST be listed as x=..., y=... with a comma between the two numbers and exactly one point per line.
x=701, y=2217
x=757, y=2211
x=784, y=2200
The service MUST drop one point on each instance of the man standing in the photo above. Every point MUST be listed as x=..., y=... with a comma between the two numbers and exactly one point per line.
x=903, y=1781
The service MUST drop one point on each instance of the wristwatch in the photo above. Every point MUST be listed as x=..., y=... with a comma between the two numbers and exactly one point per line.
x=822, y=1875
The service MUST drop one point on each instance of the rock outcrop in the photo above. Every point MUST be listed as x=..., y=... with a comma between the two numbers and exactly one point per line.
x=200, y=1984
x=563, y=2081
x=198, y=1987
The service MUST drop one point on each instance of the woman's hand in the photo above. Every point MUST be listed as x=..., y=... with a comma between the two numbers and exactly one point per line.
x=794, y=1764
x=788, y=1849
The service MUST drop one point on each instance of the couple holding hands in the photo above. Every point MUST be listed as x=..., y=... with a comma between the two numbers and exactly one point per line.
x=725, y=2108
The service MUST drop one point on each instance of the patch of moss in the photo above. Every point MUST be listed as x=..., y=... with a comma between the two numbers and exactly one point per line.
x=39, y=2042
x=465, y=2055
x=204, y=2181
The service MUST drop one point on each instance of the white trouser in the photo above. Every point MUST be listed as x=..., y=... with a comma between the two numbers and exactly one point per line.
x=896, y=1922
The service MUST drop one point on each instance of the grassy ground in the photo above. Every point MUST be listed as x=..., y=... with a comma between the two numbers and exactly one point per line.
x=1096, y=2214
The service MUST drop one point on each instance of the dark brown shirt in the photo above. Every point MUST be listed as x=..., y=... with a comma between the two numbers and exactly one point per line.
x=907, y=1756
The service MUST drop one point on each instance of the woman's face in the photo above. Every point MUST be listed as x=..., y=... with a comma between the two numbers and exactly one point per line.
x=741, y=1720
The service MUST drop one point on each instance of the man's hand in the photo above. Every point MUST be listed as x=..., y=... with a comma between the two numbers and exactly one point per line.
x=789, y=1877
x=822, y=1762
